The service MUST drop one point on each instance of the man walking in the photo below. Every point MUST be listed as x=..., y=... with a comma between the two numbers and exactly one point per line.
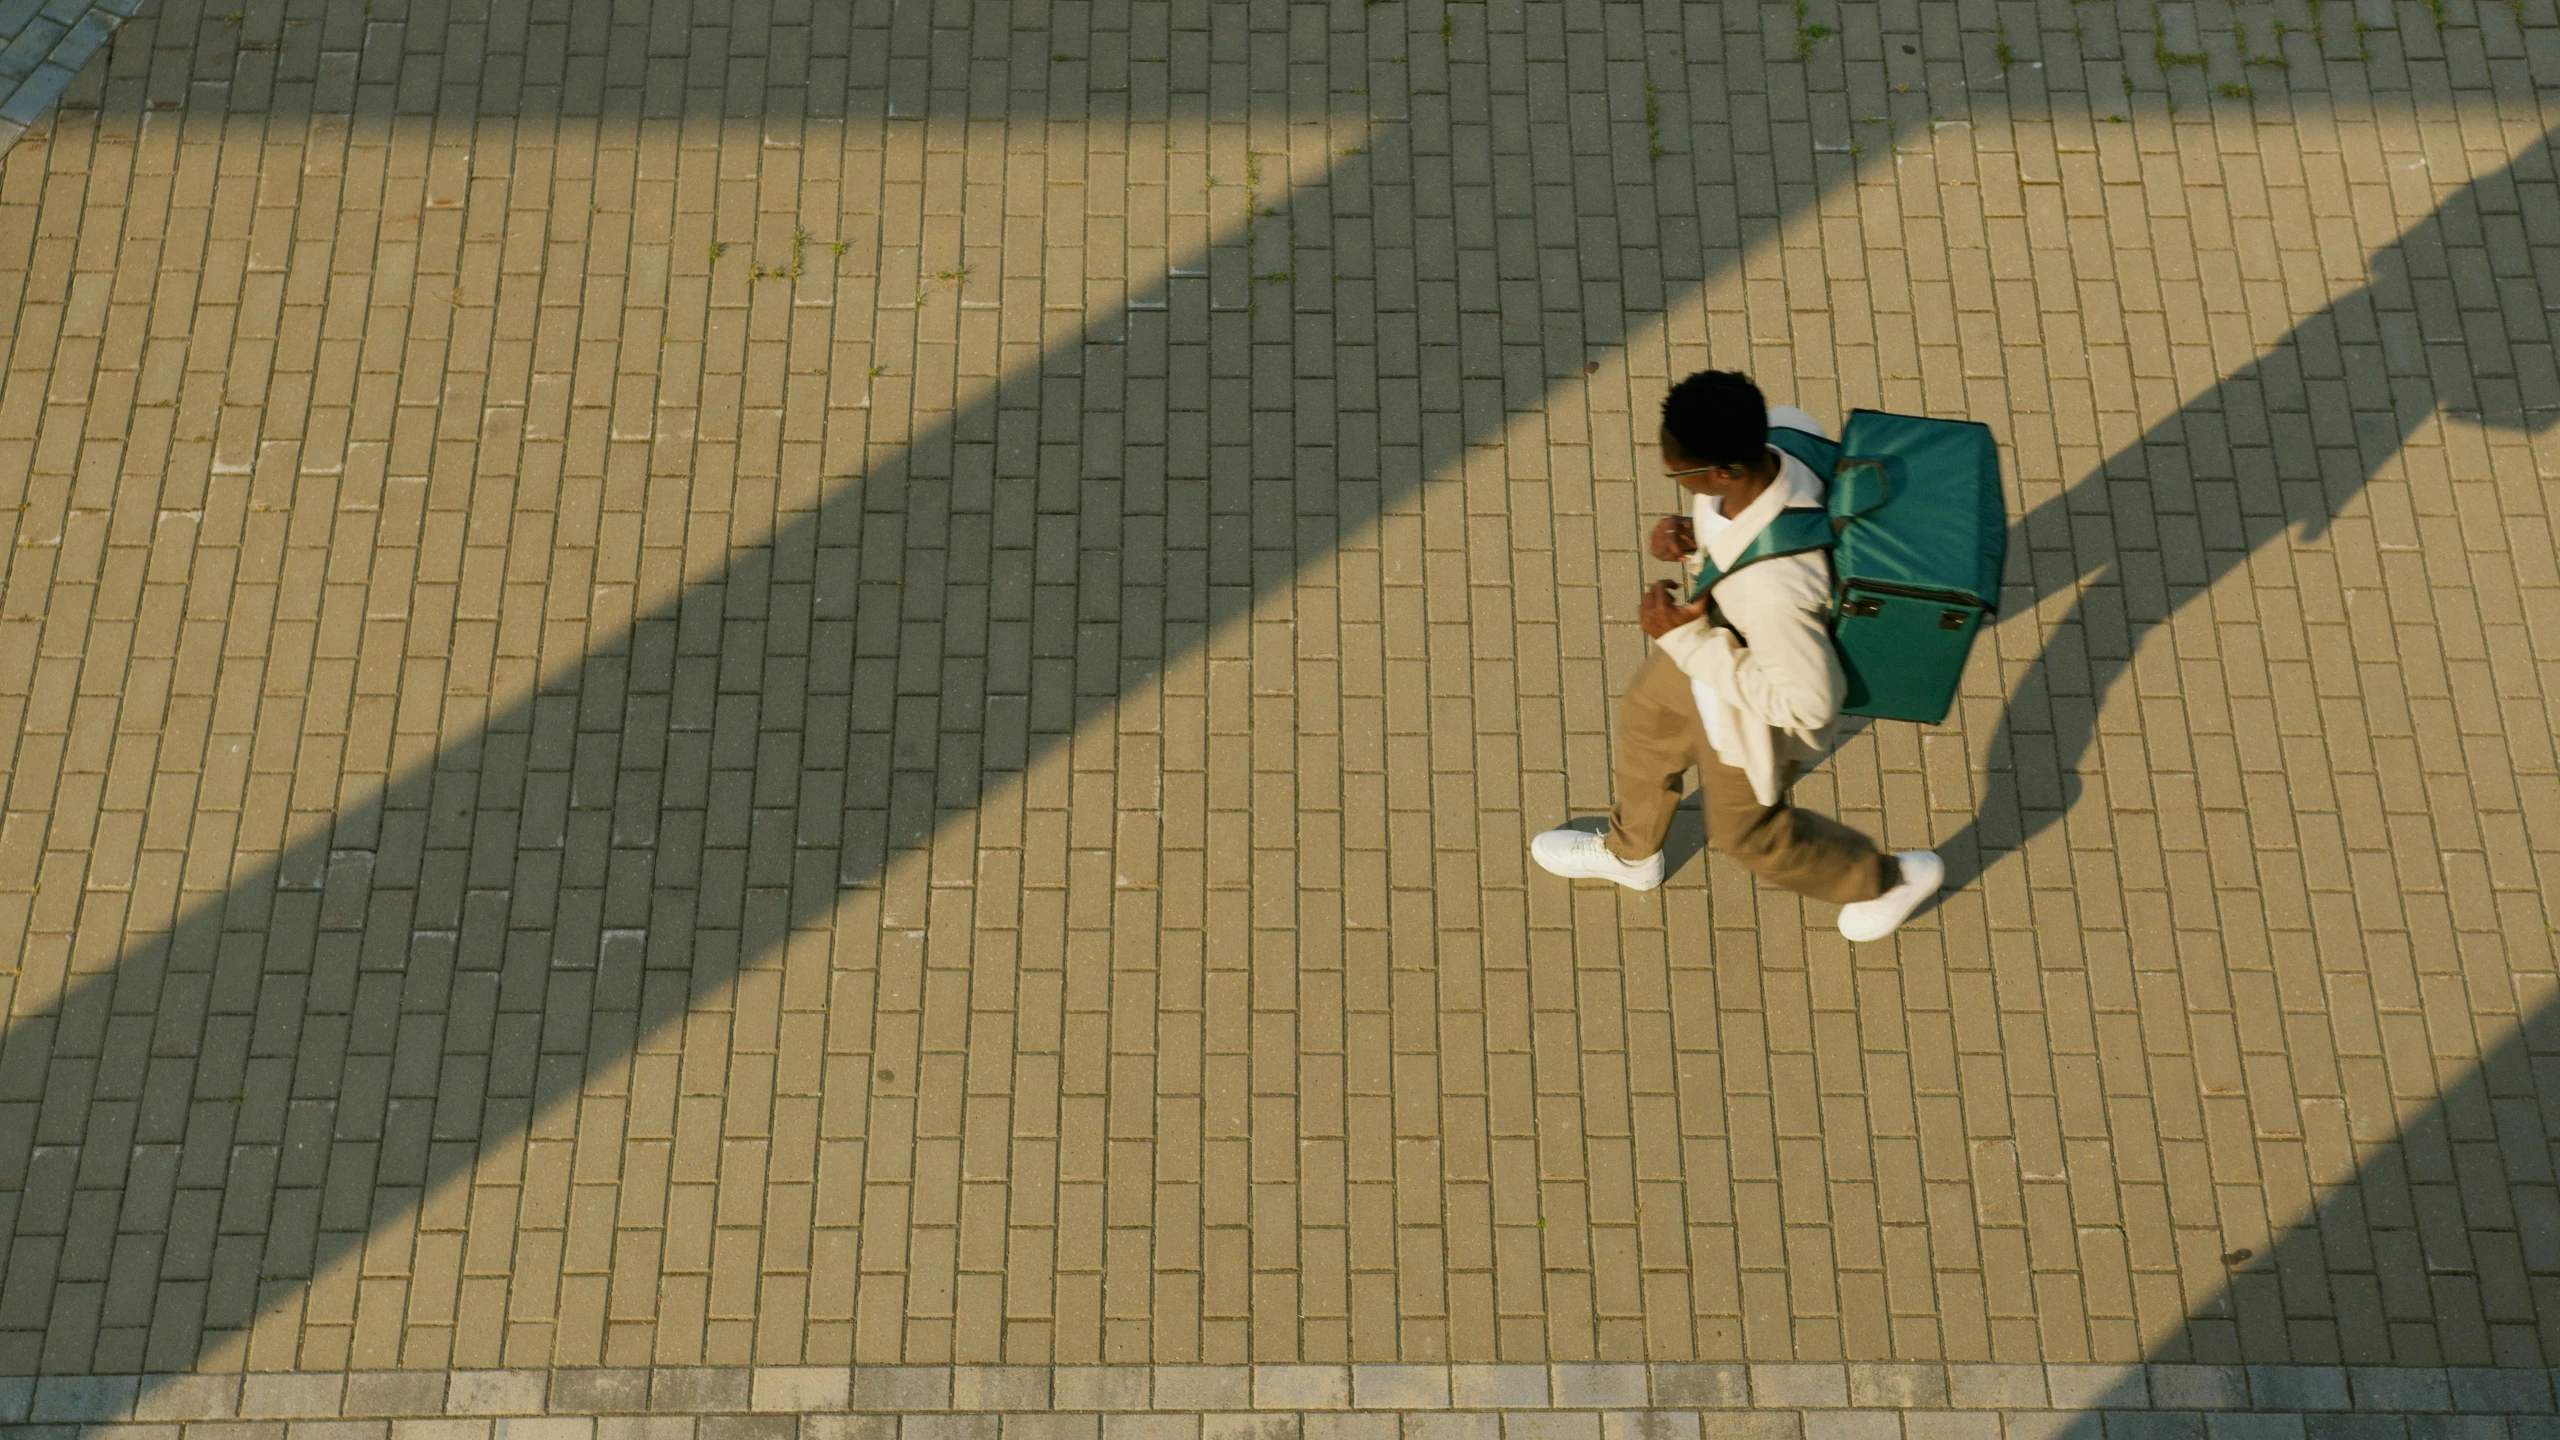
x=1747, y=692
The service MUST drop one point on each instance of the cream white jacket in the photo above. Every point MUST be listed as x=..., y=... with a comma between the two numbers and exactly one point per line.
x=1776, y=698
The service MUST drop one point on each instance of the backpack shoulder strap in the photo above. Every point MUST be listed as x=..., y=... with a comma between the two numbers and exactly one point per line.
x=1819, y=455
x=1791, y=531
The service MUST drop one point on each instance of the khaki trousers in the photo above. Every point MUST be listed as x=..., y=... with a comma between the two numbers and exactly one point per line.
x=1660, y=736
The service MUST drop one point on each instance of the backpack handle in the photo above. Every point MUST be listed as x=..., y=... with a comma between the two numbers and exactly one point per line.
x=1860, y=487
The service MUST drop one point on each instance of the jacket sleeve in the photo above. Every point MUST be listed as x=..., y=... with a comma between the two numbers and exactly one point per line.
x=1790, y=675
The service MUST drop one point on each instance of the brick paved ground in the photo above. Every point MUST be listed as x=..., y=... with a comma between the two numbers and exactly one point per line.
x=787, y=686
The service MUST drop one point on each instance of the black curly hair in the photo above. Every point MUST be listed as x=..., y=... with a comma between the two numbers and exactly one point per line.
x=1718, y=417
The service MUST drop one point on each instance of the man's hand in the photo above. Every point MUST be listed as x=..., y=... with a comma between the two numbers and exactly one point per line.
x=1674, y=539
x=1660, y=611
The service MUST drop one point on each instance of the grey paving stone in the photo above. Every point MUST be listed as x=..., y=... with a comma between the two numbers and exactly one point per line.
x=83, y=1399
x=1602, y=1387
x=1498, y=1387
x=1797, y=1387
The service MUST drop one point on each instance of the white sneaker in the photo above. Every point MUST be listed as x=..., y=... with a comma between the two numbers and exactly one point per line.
x=1581, y=855
x=1922, y=873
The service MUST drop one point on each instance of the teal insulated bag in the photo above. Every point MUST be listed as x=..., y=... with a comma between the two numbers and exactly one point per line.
x=1917, y=532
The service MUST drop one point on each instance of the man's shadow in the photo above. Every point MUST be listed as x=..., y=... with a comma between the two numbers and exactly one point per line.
x=2453, y=319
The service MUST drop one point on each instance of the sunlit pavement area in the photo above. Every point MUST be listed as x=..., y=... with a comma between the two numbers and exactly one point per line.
x=785, y=718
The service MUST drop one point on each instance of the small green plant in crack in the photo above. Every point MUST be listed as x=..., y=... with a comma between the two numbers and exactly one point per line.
x=717, y=250
x=1652, y=121
x=1447, y=33
x=1806, y=34
x=2364, y=50
x=2275, y=58
x=2234, y=90
x=1277, y=277
x=2436, y=9
x=2002, y=53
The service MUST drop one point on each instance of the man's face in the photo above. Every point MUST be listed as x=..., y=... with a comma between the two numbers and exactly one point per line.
x=1713, y=481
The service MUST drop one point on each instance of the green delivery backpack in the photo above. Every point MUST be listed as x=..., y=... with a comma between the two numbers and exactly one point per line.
x=1917, y=532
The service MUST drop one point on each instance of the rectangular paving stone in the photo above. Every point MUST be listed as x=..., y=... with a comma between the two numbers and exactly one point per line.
x=1852, y=1425
x=855, y=1427
x=2355, y=1427
x=2006, y=1387
x=1798, y=1387
x=2053, y=1425
x=2097, y=1387
x=1598, y=1386
x=497, y=1392
x=394, y=1393
x=1454, y=1426
x=747, y=1427
x=1151, y=1427
x=1649, y=1425
x=948, y=1427
x=2404, y=1390
x=706, y=1390
x=1301, y=1387
x=799, y=1387
x=2515, y=1392
x=1550, y=1425
x=2153, y=1424
x=1400, y=1387
x=598, y=1392
x=1761, y=1425
x=83, y=1399
x=1706, y=1387
x=1902, y=1387
x=1498, y=1387
x=2298, y=1387
x=1349, y=1427
x=905, y=1387
x=1952, y=1425
x=1202, y=1387
x=1249, y=1427
x=292, y=1396
x=999, y=1387
x=1094, y=1387
x=2253, y=1427
x=1051, y=1426
x=2198, y=1387
x=189, y=1397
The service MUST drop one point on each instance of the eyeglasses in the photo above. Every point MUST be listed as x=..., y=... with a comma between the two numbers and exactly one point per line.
x=1703, y=470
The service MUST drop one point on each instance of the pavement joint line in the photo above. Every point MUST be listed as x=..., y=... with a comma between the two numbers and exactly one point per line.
x=1295, y=1390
